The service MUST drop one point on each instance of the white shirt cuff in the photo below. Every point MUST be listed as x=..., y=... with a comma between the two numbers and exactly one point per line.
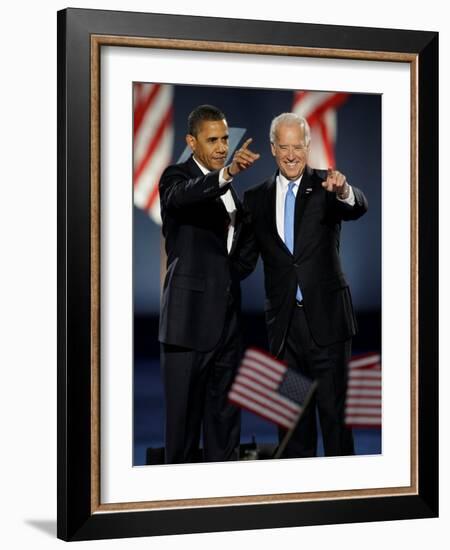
x=222, y=180
x=350, y=200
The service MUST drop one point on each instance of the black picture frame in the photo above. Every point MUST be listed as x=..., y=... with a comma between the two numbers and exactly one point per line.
x=80, y=35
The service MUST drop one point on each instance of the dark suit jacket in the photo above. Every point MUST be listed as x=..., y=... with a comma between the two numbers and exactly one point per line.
x=314, y=266
x=201, y=274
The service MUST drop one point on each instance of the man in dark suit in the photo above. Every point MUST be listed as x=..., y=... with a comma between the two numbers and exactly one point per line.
x=296, y=220
x=200, y=304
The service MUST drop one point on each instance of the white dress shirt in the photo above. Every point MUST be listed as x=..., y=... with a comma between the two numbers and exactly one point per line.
x=281, y=190
x=228, y=201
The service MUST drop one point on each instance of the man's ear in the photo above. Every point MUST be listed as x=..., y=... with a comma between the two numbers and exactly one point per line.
x=272, y=148
x=191, y=141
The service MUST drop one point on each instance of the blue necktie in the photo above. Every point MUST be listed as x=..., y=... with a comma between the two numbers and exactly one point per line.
x=289, y=209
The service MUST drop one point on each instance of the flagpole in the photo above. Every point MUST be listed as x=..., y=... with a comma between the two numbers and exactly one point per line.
x=288, y=435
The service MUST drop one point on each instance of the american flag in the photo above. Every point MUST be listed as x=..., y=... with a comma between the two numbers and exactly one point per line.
x=268, y=388
x=320, y=110
x=363, y=404
x=153, y=136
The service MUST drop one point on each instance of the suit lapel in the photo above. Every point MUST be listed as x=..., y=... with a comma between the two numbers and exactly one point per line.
x=301, y=203
x=271, y=211
x=195, y=172
x=193, y=167
x=238, y=220
x=237, y=201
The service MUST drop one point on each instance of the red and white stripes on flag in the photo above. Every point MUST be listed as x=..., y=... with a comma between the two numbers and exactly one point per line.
x=257, y=388
x=153, y=137
x=320, y=110
x=363, y=404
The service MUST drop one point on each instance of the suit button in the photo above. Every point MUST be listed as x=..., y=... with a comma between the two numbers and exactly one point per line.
x=296, y=265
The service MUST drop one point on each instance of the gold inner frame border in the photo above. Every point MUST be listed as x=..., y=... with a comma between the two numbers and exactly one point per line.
x=97, y=41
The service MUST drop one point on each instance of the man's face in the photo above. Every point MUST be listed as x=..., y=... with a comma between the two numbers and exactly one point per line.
x=210, y=146
x=290, y=150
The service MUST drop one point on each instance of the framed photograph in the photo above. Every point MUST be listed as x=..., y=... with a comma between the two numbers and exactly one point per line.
x=346, y=133
x=107, y=486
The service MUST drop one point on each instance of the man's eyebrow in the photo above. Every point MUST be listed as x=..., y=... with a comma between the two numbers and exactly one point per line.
x=211, y=138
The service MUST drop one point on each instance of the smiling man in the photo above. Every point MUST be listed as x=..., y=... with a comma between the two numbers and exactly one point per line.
x=200, y=305
x=296, y=220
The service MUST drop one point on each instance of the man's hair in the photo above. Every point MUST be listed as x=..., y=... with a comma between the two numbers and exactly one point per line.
x=201, y=113
x=290, y=119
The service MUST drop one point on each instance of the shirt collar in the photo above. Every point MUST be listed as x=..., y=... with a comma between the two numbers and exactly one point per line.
x=284, y=182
